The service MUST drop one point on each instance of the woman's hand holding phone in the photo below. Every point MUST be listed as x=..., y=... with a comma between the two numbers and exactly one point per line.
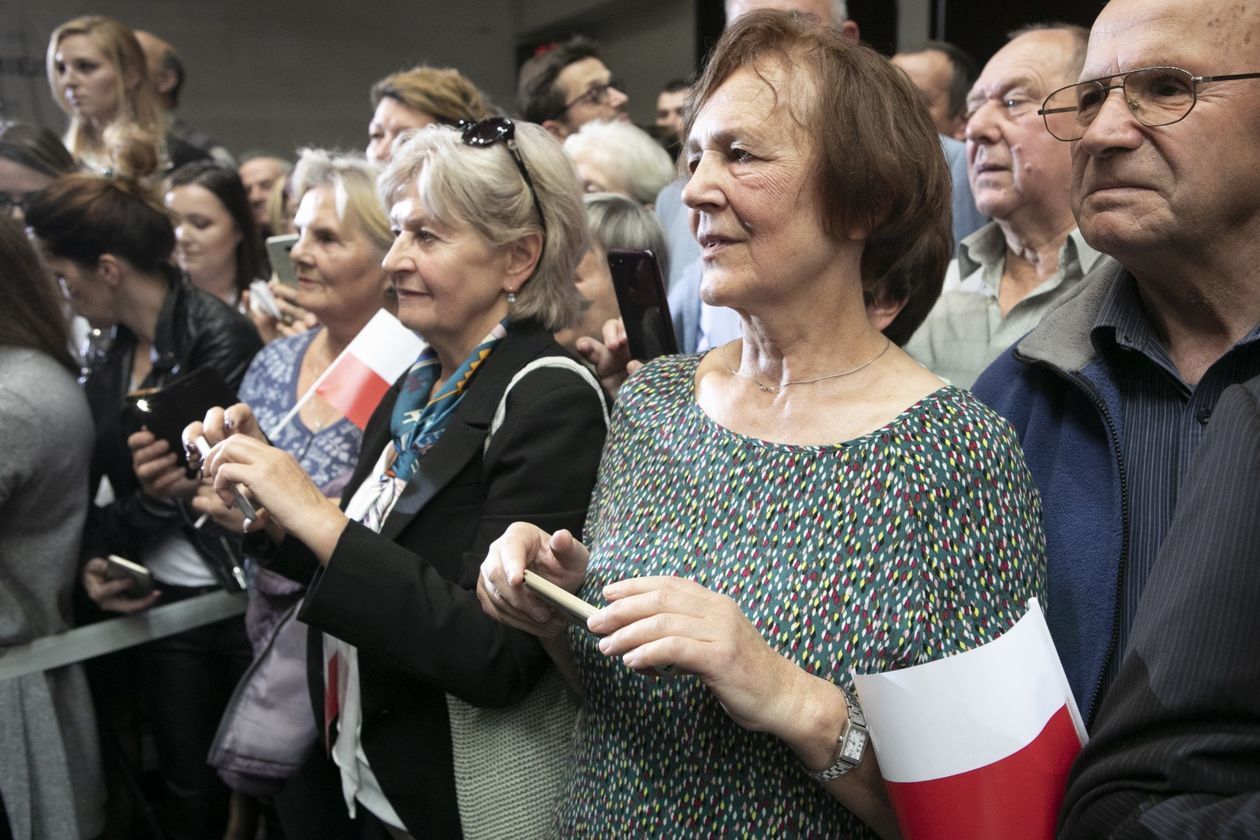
x=558, y=557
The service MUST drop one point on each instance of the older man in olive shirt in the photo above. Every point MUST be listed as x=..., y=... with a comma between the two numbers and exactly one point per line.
x=1016, y=268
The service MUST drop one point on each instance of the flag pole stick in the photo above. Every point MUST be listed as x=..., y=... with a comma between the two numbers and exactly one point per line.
x=310, y=392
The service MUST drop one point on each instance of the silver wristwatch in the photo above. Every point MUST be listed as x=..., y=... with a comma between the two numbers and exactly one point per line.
x=850, y=746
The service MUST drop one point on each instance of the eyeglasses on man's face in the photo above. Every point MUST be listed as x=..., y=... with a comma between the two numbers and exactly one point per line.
x=597, y=95
x=1155, y=96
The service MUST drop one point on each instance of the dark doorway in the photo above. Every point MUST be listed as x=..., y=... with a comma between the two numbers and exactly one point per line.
x=980, y=28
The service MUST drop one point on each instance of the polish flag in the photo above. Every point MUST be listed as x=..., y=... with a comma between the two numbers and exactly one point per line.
x=370, y=364
x=977, y=745
x=357, y=379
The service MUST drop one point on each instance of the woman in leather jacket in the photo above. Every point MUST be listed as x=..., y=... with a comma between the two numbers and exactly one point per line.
x=109, y=243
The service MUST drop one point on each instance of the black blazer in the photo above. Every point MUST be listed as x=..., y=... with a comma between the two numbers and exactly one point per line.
x=1175, y=750
x=405, y=597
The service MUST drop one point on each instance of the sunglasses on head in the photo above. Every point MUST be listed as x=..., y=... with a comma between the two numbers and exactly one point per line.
x=491, y=130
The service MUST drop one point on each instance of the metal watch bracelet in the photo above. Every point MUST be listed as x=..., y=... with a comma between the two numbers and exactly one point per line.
x=850, y=746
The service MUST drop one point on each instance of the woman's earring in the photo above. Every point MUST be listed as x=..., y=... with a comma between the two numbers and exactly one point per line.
x=511, y=298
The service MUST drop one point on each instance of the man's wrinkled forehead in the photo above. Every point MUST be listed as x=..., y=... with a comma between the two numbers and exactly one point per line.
x=1203, y=36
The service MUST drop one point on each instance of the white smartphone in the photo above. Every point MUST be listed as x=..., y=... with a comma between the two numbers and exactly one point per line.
x=571, y=605
x=119, y=568
x=243, y=503
x=278, y=248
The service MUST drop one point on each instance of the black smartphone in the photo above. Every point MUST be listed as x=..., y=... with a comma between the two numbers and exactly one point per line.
x=166, y=411
x=118, y=568
x=636, y=277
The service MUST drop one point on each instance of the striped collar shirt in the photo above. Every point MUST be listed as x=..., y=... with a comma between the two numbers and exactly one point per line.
x=1163, y=421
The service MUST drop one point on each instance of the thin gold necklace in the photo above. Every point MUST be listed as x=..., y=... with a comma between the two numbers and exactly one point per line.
x=774, y=389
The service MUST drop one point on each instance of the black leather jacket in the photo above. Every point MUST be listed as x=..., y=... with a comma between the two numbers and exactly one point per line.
x=194, y=329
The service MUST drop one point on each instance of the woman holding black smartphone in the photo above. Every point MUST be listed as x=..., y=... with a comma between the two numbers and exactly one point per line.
x=109, y=243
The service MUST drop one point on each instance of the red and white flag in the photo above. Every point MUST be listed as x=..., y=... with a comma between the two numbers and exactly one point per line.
x=360, y=376
x=977, y=745
x=357, y=379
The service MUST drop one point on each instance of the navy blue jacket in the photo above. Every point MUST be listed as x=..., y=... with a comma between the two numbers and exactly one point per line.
x=1065, y=406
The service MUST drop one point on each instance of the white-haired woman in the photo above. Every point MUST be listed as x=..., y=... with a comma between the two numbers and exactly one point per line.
x=619, y=157
x=343, y=236
x=490, y=227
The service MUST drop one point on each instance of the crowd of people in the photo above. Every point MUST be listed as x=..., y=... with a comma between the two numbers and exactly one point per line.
x=953, y=336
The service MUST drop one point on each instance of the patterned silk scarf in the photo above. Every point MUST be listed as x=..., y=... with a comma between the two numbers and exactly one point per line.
x=416, y=424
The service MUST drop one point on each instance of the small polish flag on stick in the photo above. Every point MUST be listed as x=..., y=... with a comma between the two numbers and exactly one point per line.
x=357, y=379
x=977, y=745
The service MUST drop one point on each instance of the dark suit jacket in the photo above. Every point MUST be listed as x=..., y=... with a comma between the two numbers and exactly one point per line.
x=405, y=597
x=1176, y=745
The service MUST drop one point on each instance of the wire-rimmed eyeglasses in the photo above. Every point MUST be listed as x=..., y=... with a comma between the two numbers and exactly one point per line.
x=1154, y=95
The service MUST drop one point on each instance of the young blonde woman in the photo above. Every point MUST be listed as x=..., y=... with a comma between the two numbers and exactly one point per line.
x=97, y=73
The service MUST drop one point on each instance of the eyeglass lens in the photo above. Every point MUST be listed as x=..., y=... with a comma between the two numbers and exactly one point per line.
x=1154, y=95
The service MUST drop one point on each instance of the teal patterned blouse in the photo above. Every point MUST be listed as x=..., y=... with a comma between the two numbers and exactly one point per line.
x=916, y=541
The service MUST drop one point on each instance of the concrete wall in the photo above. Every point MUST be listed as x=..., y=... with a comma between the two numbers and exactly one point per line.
x=276, y=73
x=281, y=73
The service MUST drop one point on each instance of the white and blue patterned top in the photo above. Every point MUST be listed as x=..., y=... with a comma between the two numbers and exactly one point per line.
x=270, y=388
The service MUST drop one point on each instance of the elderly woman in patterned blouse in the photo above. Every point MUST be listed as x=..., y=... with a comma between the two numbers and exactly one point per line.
x=794, y=505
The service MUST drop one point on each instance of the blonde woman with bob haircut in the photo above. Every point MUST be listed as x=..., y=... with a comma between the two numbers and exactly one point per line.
x=97, y=73
x=621, y=158
x=494, y=421
x=416, y=98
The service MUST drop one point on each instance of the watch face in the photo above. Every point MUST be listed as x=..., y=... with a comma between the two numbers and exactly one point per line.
x=854, y=746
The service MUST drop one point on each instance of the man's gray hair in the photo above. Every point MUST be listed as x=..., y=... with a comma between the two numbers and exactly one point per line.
x=839, y=12
x=479, y=187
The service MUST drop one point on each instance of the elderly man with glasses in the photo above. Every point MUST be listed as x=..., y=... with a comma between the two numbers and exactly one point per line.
x=1113, y=390
x=1011, y=272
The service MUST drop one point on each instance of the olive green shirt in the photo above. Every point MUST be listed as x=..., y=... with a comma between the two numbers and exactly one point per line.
x=966, y=330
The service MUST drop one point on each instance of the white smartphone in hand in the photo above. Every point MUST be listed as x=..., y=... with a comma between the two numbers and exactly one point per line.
x=577, y=610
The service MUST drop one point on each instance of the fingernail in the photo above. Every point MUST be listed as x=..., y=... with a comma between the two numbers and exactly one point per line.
x=245, y=526
x=227, y=421
x=604, y=644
